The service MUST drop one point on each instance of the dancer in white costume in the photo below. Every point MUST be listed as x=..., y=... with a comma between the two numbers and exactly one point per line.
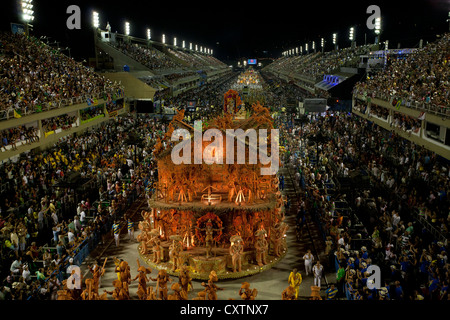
x=317, y=271
x=309, y=258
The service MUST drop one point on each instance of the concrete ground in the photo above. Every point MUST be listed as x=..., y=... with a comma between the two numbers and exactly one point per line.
x=270, y=284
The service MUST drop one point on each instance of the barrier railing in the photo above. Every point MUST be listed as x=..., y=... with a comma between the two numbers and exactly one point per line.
x=407, y=102
x=57, y=104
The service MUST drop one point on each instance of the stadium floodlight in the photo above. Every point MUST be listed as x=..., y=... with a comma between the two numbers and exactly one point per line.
x=314, y=45
x=27, y=11
x=196, y=47
x=174, y=41
x=201, y=48
x=190, y=45
x=127, y=28
x=163, y=38
x=378, y=26
x=351, y=35
x=322, y=42
x=448, y=20
x=95, y=19
x=335, y=41
x=149, y=34
x=183, y=44
x=306, y=48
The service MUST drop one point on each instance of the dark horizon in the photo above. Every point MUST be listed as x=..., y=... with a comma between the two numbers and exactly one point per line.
x=235, y=31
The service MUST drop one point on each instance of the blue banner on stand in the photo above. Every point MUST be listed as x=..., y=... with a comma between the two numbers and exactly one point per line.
x=17, y=28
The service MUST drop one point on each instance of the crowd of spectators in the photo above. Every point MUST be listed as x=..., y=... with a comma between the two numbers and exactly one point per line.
x=409, y=183
x=331, y=61
x=149, y=57
x=12, y=136
x=91, y=112
x=406, y=123
x=317, y=64
x=195, y=59
x=35, y=77
x=403, y=211
x=208, y=96
x=63, y=122
x=42, y=226
x=421, y=79
x=173, y=77
x=379, y=112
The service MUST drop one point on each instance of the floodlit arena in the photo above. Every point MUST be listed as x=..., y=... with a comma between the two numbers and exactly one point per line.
x=170, y=159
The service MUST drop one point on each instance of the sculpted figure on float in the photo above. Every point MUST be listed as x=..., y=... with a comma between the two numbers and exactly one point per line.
x=236, y=251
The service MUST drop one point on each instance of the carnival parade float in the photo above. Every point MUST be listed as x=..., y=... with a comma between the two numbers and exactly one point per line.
x=216, y=214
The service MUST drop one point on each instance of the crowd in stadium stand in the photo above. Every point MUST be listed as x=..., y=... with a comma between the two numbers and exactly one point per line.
x=208, y=98
x=196, y=60
x=149, y=57
x=421, y=78
x=63, y=122
x=410, y=182
x=12, y=136
x=315, y=65
x=90, y=113
x=406, y=123
x=35, y=213
x=33, y=76
x=379, y=112
x=331, y=61
x=177, y=76
x=159, y=61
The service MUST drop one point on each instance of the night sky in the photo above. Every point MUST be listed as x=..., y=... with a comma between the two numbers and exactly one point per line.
x=238, y=29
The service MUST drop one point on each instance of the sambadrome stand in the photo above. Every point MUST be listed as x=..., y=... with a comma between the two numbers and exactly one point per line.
x=226, y=218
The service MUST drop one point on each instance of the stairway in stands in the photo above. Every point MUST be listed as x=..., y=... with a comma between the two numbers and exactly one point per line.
x=311, y=237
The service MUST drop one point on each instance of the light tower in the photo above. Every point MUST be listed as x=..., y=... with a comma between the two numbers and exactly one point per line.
x=95, y=20
x=27, y=14
x=351, y=37
x=335, y=41
x=378, y=30
x=448, y=20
